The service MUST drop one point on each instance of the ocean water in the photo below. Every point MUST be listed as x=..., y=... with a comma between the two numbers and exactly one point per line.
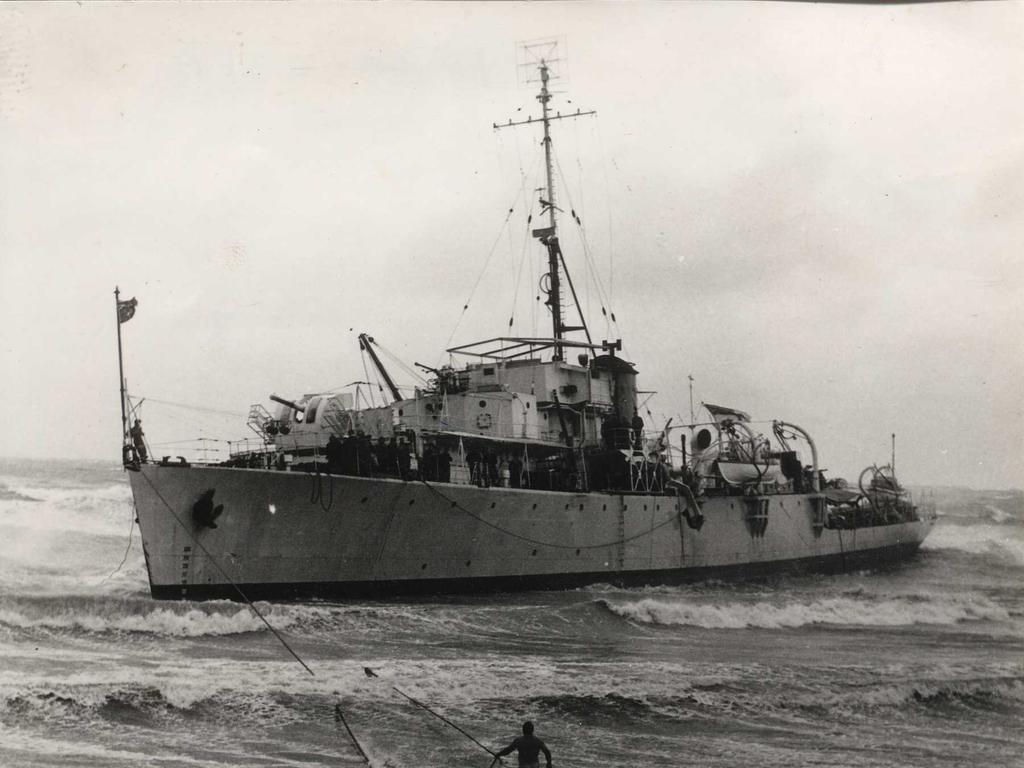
x=920, y=666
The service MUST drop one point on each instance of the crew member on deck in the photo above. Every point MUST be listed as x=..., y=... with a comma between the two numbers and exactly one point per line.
x=529, y=748
x=334, y=455
x=638, y=430
x=138, y=440
x=444, y=466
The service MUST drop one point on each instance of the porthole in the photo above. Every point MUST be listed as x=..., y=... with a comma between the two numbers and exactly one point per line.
x=483, y=403
x=423, y=567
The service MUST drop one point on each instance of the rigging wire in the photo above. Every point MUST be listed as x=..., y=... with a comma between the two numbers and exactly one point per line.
x=593, y=272
x=366, y=375
x=519, y=272
x=607, y=194
x=399, y=362
x=190, y=407
x=520, y=194
x=582, y=208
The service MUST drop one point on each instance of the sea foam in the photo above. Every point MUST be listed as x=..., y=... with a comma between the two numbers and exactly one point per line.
x=1003, y=542
x=888, y=612
x=137, y=617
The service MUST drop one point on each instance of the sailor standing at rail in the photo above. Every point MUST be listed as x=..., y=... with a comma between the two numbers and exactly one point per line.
x=139, y=440
x=529, y=748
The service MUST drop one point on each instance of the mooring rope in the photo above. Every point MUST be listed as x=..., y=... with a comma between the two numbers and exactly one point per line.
x=225, y=574
x=445, y=720
x=339, y=715
x=338, y=711
x=124, y=558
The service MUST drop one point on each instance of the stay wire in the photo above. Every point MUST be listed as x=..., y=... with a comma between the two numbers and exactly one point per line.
x=191, y=407
x=519, y=271
x=603, y=296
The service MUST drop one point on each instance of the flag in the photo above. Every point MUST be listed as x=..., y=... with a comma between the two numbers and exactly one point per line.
x=720, y=413
x=126, y=310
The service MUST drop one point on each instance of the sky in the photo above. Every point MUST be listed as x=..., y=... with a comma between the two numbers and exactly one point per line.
x=814, y=210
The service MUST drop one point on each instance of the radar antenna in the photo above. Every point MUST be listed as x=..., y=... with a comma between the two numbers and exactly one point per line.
x=543, y=56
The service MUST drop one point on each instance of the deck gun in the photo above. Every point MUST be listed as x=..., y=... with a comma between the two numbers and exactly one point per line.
x=291, y=404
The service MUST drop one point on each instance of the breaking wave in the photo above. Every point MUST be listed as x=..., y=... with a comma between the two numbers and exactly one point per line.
x=9, y=494
x=891, y=612
x=998, y=541
x=140, y=616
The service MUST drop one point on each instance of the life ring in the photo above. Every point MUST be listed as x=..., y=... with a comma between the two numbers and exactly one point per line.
x=483, y=421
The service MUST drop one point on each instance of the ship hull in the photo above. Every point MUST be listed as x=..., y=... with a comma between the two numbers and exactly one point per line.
x=288, y=535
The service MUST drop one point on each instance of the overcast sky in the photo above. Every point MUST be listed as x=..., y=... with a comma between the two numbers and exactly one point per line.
x=814, y=209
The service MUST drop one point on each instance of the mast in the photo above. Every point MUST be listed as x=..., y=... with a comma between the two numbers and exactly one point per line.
x=542, y=55
x=120, y=368
x=554, y=300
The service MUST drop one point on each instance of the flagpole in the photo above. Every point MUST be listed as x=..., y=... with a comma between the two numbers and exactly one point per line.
x=692, y=417
x=120, y=368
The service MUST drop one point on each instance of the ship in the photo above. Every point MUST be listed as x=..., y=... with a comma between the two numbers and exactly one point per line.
x=523, y=464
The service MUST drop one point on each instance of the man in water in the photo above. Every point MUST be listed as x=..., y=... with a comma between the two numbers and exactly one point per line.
x=529, y=748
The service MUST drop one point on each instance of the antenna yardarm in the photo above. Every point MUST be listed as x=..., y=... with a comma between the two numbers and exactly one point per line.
x=542, y=55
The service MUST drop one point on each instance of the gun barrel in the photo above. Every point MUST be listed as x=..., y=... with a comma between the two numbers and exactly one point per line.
x=293, y=405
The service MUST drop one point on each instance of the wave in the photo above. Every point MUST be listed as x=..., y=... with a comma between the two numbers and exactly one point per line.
x=141, y=703
x=981, y=694
x=138, y=616
x=7, y=494
x=1000, y=694
x=998, y=541
x=846, y=611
